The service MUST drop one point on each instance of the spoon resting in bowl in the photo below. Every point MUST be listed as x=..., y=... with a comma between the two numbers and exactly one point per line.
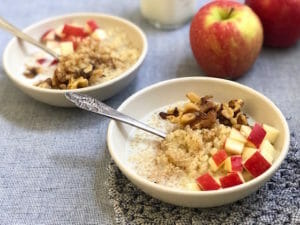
x=93, y=105
x=25, y=37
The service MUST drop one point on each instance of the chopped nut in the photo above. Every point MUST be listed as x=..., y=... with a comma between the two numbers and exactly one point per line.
x=236, y=104
x=205, y=120
x=187, y=118
x=173, y=119
x=193, y=97
x=242, y=119
x=205, y=99
x=46, y=83
x=190, y=107
x=31, y=72
x=227, y=112
x=77, y=83
x=88, y=69
x=200, y=112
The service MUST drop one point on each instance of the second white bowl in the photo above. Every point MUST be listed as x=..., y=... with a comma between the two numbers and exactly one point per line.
x=16, y=52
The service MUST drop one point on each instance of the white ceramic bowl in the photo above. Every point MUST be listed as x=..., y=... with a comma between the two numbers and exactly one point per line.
x=156, y=96
x=16, y=52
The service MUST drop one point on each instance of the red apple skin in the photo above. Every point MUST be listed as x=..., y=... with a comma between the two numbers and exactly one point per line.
x=256, y=164
x=280, y=19
x=236, y=163
x=70, y=30
x=220, y=157
x=206, y=182
x=230, y=180
x=222, y=49
x=257, y=135
x=92, y=25
x=44, y=36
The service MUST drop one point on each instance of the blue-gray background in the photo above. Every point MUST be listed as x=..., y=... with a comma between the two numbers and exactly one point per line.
x=53, y=161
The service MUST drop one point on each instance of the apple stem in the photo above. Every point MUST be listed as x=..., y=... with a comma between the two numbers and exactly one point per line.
x=230, y=12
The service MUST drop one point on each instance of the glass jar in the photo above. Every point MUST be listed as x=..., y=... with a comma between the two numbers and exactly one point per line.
x=168, y=14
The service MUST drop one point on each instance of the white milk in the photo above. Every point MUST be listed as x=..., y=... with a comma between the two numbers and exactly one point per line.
x=168, y=14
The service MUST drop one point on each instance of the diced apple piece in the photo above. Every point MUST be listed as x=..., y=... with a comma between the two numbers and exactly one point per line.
x=272, y=133
x=257, y=164
x=245, y=130
x=257, y=135
x=250, y=144
x=59, y=31
x=233, y=164
x=49, y=35
x=217, y=160
x=233, y=146
x=92, y=25
x=193, y=186
x=232, y=179
x=54, y=45
x=267, y=150
x=247, y=176
x=66, y=48
x=41, y=61
x=206, y=182
x=236, y=135
x=53, y=62
x=73, y=39
x=99, y=34
x=247, y=153
x=71, y=30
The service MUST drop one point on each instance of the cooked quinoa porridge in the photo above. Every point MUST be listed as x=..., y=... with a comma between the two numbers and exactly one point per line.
x=208, y=146
x=88, y=55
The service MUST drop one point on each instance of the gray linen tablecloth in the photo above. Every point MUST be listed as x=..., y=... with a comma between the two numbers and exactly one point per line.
x=53, y=161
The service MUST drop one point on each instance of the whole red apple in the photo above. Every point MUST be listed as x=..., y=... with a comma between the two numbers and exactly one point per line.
x=280, y=19
x=226, y=38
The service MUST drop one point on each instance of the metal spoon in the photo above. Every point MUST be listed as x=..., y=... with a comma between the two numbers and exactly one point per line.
x=17, y=32
x=93, y=105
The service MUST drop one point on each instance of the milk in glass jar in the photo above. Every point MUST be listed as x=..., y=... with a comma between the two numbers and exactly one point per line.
x=168, y=14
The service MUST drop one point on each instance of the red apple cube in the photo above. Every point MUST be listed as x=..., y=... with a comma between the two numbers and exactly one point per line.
x=206, y=182
x=272, y=133
x=71, y=30
x=245, y=130
x=234, y=164
x=73, y=39
x=257, y=135
x=59, y=32
x=236, y=135
x=233, y=146
x=49, y=35
x=256, y=164
x=248, y=152
x=232, y=179
x=92, y=25
x=267, y=150
x=217, y=159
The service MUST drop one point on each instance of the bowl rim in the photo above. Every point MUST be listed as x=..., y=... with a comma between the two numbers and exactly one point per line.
x=162, y=188
x=126, y=73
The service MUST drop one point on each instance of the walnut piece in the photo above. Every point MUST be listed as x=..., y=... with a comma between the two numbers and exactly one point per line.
x=202, y=112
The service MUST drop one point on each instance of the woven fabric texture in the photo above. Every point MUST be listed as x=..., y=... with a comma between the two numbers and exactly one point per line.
x=276, y=202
